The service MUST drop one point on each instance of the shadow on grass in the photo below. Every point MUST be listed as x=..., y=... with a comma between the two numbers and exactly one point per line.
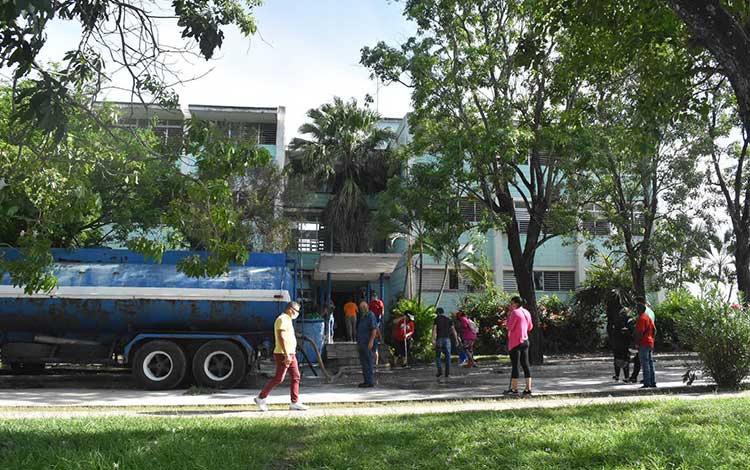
x=657, y=435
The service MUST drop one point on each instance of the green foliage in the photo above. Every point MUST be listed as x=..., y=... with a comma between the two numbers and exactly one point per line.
x=496, y=111
x=567, y=329
x=123, y=36
x=424, y=317
x=345, y=150
x=420, y=206
x=107, y=185
x=669, y=315
x=720, y=333
x=607, y=288
x=489, y=310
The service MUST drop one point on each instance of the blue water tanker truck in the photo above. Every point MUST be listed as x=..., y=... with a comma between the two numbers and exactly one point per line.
x=117, y=307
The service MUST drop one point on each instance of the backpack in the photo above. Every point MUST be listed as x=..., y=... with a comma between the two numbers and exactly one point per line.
x=472, y=326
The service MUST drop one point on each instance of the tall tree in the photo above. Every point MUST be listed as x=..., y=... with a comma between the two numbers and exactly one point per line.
x=727, y=160
x=421, y=205
x=491, y=106
x=109, y=185
x=722, y=27
x=608, y=34
x=346, y=150
x=115, y=37
x=645, y=170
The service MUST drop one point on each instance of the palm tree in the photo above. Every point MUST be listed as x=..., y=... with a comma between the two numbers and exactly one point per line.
x=347, y=151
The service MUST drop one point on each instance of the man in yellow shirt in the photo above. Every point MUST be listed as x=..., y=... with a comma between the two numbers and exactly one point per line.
x=350, y=311
x=285, y=357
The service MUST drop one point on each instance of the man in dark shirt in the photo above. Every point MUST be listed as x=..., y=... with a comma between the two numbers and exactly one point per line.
x=442, y=329
x=367, y=331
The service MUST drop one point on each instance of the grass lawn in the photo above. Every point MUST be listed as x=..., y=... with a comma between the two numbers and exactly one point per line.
x=706, y=434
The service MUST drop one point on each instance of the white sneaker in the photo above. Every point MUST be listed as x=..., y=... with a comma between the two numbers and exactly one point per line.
x=298, y=406
x=261, y=402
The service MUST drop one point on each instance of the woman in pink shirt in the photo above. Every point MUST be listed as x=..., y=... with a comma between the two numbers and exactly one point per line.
x=519, y=324
x=468, y=336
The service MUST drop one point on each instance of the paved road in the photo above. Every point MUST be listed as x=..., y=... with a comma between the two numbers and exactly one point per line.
x=589, y=376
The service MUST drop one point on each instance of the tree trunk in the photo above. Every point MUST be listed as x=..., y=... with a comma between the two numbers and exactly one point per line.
x=523, y=268
x=442, y=286
x=726, y=39
x=408, y=291
x=742, y=264
x=638, y=274
x=421, y=270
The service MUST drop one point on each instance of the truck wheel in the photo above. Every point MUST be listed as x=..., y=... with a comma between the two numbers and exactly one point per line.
x=219, y=364
x=159, y=365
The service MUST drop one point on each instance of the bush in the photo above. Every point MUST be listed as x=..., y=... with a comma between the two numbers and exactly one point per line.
x=567, y=329
x=669, y=314
x=720, y=334
x=424, y=317
x=489, y=310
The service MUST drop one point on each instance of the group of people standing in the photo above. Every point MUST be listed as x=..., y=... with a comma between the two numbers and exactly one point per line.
x=366, y=329
x=624, y=332
x=519, y=325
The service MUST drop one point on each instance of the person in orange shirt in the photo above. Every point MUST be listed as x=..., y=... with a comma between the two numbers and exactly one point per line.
x=350, y=314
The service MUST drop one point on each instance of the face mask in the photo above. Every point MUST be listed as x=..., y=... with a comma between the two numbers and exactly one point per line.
x=295, y=315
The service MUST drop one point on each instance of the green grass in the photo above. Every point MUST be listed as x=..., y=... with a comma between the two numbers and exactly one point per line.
x=706, y=434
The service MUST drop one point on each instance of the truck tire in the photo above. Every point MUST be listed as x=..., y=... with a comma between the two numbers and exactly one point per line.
x=219, y=364
x=159, y=365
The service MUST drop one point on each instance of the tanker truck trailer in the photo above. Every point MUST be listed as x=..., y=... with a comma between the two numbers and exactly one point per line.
x=116, y=307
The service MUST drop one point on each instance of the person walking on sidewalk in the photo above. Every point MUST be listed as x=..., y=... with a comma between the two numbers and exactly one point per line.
x=350, y=318
x=367, y=331
x=284, y=354
x=442, y=330
x=519, y=325
x=469, y=331
x=645, y=330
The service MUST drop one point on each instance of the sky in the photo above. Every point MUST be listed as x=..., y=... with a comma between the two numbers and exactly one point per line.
x=305, y=53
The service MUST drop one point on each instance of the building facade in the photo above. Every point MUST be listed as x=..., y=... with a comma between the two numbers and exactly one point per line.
x=325, y=276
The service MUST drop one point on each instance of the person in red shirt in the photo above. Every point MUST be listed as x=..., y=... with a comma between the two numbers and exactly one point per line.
x=377, y=307
x=645, y=330
x=403, y=332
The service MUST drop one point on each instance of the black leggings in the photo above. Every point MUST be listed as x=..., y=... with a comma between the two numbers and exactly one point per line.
x=520, y=356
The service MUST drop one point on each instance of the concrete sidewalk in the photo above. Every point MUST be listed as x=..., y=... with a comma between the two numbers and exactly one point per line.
x=381, y=409
x=580, y=377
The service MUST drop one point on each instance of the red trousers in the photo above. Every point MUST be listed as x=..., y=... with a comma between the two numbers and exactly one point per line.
x=279, y=377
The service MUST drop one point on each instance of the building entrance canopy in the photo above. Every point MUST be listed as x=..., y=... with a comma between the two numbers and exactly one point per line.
x=355, y=266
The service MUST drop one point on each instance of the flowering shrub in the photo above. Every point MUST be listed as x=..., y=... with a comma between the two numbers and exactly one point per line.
x=720, y=333
x=566, y=329
x=489, y=309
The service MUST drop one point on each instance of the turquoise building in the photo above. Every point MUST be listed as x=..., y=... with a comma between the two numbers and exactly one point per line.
x=326, y=276
x=560, y=265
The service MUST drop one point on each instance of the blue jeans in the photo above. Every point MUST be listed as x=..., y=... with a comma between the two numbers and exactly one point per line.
x=647, y=364
x=367, y=359
x=443, y=345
